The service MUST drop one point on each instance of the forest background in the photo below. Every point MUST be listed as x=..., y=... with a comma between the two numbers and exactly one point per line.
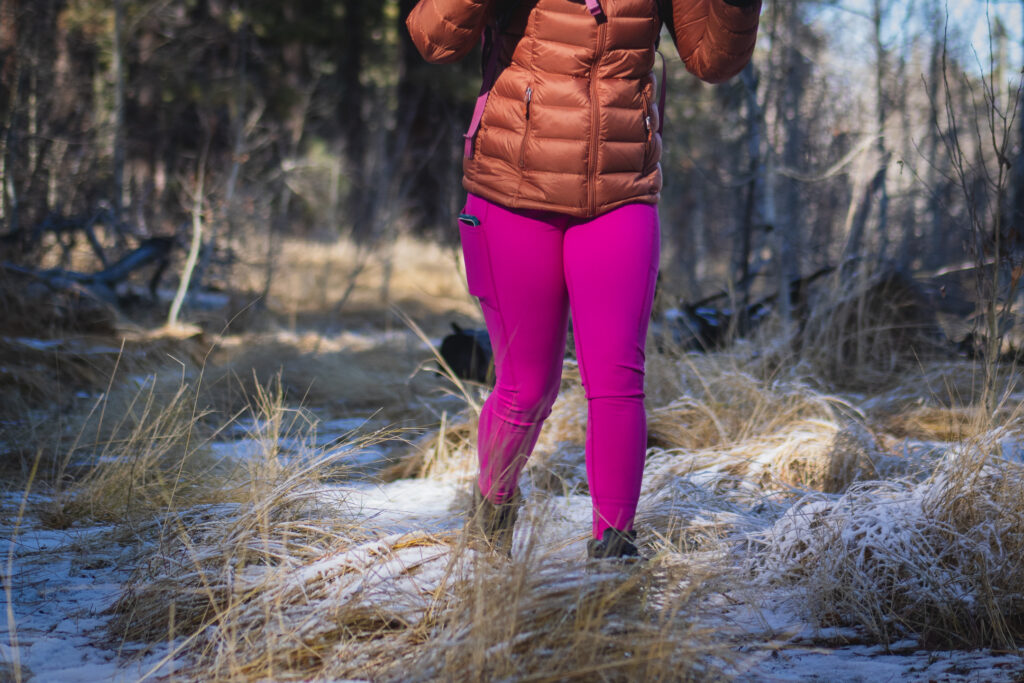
x=320, y=120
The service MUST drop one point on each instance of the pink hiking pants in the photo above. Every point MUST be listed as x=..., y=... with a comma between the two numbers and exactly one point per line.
x=529, y=269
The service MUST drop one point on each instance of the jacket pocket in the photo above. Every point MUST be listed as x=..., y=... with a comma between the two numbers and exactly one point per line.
x=527, y=103
x=475, y=254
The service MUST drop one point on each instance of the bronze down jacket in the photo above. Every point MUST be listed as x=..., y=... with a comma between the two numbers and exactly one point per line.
x=571, y=124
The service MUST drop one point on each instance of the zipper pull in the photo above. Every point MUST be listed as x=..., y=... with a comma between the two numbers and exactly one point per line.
x=529, y=98
x=647, y=126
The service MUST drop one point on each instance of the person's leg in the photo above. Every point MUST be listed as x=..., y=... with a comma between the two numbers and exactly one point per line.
x=611, y=265
x=514, y=267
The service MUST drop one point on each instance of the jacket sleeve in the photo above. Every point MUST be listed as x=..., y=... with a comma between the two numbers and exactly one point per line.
x=715, y=38
x=446, y=30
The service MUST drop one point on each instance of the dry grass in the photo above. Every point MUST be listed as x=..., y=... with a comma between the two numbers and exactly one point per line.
x=257, y=605
x=785, y=431
x=319, y=372
x=761, y=458
x=940, y=423
x=31, y=309
x=729, y=456
x=311, y=279
x=939, y=559
x=538, y=620
x=866, y=332
x=140, y=457
x=447, y=453
x=273, y=512
x=40, y=372
x=145, y=446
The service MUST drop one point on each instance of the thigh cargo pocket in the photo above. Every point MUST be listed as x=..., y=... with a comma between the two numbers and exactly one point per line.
x=475, y=254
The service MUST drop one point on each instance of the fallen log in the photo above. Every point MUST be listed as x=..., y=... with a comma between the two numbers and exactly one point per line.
x=65, y=230
x=103, y=284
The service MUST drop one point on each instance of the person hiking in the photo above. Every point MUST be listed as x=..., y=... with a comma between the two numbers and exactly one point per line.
x=561, y=168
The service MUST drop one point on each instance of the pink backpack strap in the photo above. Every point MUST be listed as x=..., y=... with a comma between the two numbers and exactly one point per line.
x=491, y=48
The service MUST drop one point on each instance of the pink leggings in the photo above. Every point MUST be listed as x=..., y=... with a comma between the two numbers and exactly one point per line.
x=529, y=269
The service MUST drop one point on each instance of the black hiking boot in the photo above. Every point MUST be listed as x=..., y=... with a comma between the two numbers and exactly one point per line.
x=490, y=525
x=614, y=544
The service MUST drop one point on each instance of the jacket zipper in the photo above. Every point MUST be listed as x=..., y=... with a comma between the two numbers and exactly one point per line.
x=528, y=99
x=646, y=113
x=648, y=131
x=595, y=121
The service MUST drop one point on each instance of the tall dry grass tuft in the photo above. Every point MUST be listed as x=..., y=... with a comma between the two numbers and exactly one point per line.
x=945, y=423
x=869, y=331
x=721, y=405
x=540, y=620
x=939, y=559
x=214, y=561
x=136, y=451
x=53, y=393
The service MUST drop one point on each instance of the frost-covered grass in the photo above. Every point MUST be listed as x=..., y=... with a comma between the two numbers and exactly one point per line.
x=940, y=559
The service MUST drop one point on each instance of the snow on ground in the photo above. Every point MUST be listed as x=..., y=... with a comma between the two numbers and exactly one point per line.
x=403, y=506
x=783, y=648
x=871, y=664
x=60, y=583
x=330, y=441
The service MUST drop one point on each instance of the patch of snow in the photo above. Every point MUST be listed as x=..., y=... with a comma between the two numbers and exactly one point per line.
x=242, y=449
x=61, y=583
x=298, y=451
x=868, y=664
x=341, y=425
x=1012, y=448
x=402, y=506
x=777, y=646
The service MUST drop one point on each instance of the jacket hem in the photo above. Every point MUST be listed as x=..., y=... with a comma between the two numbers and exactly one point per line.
x=510, y=201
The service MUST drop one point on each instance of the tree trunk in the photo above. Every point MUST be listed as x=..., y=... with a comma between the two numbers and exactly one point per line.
x=881, y=114
x=789, y=221
x=753, y=214
x=119, y=120
x=352, y=46
x=198, y=201
x=935, y=178
x=9, y=21
x=37, y=93
x=1017, y=187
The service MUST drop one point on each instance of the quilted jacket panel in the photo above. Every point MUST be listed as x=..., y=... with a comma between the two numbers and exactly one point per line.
x=571, y=124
